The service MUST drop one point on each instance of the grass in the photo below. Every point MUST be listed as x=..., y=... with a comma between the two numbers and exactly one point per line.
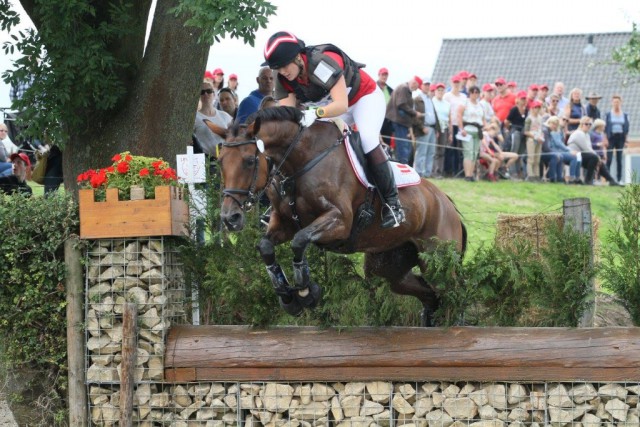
x=481, y=202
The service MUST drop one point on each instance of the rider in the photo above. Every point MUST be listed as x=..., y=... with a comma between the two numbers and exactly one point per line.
x=325, y=77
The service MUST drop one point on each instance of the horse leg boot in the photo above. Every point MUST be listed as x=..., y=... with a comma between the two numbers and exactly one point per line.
x=285, y=293
x=308, y=292
x=392, y=212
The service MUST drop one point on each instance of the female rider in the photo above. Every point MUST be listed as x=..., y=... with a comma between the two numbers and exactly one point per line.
x=325, y=77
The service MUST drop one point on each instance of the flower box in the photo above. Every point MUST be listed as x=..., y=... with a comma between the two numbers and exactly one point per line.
x=166, y=215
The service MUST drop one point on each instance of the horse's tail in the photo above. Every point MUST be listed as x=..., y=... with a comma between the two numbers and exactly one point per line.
x=464, y=229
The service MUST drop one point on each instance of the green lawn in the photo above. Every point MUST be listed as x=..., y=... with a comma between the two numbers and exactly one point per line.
x=481, y=202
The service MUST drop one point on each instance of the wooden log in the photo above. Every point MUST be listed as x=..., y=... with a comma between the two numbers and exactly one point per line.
x=75, y=333
x=237, y=353
x=129, y=354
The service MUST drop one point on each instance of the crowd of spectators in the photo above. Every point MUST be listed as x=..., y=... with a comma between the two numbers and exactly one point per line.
x=496, y=129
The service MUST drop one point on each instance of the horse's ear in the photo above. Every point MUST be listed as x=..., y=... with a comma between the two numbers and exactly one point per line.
x=215, y=128
x=255, y=126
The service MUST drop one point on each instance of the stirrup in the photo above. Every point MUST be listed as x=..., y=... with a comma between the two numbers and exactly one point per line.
x=392, y=216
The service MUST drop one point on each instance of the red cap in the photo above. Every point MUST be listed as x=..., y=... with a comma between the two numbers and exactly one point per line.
x=22, y=156
x=543, y=86
x=218, y=71
x=512, y=84
x=521, y=94
x=440, y=84
x=533, y=87
x=208, y=75
x=536, y=104
x=487, y=87
x=473, y=76
x=418, y=79
x=463, y=74
x=500, y=81
x=456, y=78
x=383, y=70
x=233, y=77
x=433, y=86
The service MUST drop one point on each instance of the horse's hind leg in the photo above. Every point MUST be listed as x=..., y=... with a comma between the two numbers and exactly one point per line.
x=395, y=266
x=279, y=281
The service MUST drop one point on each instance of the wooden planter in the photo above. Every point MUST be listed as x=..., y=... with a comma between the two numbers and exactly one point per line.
x=166, y=215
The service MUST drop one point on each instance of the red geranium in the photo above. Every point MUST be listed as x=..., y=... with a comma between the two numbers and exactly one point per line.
x=123, y=167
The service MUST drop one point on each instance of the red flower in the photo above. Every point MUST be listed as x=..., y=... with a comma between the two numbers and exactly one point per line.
x=116, y=158
x=169, y=174
x=144, y=172
x=123, y=167
x=98, y=179
x=157, y=164
x=111, y=169
x=128, y=158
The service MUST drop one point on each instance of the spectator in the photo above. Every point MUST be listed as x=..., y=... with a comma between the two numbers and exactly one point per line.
x=464, y=78
x=488, y=156
x=452, y=155
x=233, y=85
x=592, y=106
x=251, y=103
x=17, y=181
x=504, y=100
x=535, y=139
x=471, y=81
x=227, y=102
x=208, y=139
x=512, y=87
x=599, y=139
x=564, y=156
x=386, y=131
x=493, y=139
x=425, y=130
x=471, y=122
x=488, y=93
x=552, y=106
x=617, y=130
x=515, y=124
x=543, y=91
x=443, y=110
x=558, y=89
x=7, y=148
x=218, y=79
x=580, y=141
x=574, y=110
x=208, y=77
x=532, y=95
x=401, y=113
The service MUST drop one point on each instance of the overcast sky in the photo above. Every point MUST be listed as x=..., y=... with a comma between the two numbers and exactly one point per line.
x=405, y=35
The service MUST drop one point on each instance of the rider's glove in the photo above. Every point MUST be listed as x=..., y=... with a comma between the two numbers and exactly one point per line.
x=309, y=117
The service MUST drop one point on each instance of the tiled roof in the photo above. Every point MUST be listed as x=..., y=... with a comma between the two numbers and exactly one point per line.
x=546, y=59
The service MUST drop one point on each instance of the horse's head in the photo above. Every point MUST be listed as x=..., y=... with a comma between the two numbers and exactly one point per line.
x=244, y=173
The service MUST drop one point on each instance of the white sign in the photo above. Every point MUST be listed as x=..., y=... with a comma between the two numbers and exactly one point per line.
x=198, y=168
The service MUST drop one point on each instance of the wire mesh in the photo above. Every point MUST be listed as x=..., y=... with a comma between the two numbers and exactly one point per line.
x=373, y=404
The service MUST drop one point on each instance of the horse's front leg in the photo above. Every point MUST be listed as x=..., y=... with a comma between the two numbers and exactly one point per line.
x=285, y=292
x=327, y=227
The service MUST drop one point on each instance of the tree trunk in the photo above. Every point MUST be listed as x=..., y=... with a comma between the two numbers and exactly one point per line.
x=156, y=118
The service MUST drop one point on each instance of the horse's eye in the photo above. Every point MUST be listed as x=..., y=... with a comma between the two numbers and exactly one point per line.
x=249, y=161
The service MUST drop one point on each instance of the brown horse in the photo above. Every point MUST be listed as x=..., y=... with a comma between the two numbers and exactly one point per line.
x=316, y=195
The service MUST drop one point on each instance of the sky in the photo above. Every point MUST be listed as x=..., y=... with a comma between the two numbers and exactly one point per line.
x=404, y=35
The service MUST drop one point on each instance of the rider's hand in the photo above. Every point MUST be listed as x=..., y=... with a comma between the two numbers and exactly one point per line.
x=309, y=117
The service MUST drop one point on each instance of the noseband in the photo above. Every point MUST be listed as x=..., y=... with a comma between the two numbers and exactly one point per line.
x=251, y=196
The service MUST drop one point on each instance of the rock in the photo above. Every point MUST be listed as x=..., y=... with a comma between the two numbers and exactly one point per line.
x=408, y=392
x=137, y=295
x=460, y=407
x=538, y=400
x=152, y=255
x=437, y=398
x=231, y=401
x=613, y=391
x=321, y=393
x=156, y=368
x=336, y=409
x=94, y=344
x=150, y=318
x=590, y=420
x=95, y=292
x=635, y=389
x=101, y=374
x=487, y=412
x=102, y=360
x=370, y=407
x=351, y=405
x=488, y=423
x=353, y=389
x=438, y=418
x=422, y=406
x=126, y=283
x=205, y=414
x=583, y=393
x=516, y=394
x=142, y=394
x=111, y=273
x=380, y=391
x=312, y=411
x=115, y=333
x=159, y=400
x=559, y=416
x=153, y=276
x=113, y=258
x=132, y=250
x=451, y=391
x=181, y=397
x=518, y=414
x=429, y=388
x=497, y=395
x=479, y=397
x=383, y=419
x=104, y=306
x=617, y=408
x=277, y=397
x=559, y=397
x=466, y=390
x=246, y=401
x=401, y=405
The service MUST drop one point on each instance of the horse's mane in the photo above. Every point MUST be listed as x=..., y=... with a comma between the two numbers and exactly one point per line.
x=277, y=114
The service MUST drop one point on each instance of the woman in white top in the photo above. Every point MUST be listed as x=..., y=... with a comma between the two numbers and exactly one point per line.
x=470, y=122
x=209, y=140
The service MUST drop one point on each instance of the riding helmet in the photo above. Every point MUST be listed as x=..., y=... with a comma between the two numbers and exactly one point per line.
x=281, y=49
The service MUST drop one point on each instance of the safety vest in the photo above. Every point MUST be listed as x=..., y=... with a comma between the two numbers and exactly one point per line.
x=324, y=72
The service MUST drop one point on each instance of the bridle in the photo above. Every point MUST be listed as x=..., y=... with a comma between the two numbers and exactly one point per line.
x=251, y=196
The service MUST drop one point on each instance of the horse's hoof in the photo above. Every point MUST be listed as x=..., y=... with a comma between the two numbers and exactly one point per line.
x=293, y=307
x=426, y=318
x=312, y=299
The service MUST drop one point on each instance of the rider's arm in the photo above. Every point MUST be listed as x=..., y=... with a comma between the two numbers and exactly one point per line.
x=289, y=101
x=340, y=100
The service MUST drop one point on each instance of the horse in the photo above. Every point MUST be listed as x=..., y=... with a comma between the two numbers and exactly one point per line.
x=316, y=197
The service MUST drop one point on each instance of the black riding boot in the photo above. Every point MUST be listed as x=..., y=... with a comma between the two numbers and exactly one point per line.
x=392, y=212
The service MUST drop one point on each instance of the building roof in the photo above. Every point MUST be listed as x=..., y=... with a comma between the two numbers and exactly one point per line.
x=546, y=59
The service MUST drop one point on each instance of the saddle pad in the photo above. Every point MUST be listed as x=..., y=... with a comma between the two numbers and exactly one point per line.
x=404, y=175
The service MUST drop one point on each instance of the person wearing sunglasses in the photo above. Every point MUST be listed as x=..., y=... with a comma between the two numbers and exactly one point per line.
x=208, y=139
x=580, y=141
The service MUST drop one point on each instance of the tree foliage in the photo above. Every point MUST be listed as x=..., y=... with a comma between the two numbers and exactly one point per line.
x=629, y=55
